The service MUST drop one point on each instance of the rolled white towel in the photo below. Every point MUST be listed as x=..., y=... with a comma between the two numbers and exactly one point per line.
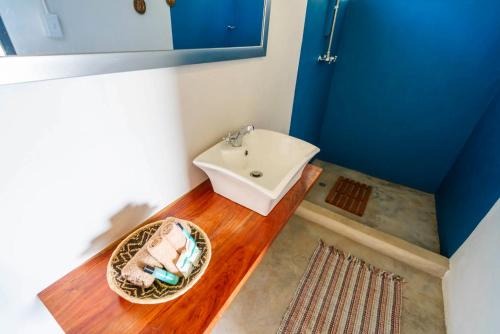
x=161, y=249
x=134, y=269
x=168, y=231
x=174, y=234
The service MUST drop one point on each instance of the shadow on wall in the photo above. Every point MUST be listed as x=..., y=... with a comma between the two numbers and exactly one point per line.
x=181, y=132
x=95, y=144
x=120, y=224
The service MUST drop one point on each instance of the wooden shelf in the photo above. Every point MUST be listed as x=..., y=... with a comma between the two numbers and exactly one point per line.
x=82, y=302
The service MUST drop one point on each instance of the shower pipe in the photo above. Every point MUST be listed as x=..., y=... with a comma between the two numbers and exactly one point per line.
x=328, y=58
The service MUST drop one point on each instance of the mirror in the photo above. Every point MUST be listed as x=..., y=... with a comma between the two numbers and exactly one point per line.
x=125, y=35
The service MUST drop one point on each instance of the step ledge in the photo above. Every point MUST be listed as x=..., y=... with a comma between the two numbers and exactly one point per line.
x=396, y=248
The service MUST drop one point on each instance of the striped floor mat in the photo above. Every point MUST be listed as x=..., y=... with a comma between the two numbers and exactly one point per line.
x=340, y=293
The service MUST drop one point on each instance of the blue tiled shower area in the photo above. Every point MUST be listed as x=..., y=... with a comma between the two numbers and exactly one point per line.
x=413, y=98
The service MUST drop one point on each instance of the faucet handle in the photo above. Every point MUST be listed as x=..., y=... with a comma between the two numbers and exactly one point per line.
x=247, y=129
x=235, y=137
x=232, y=135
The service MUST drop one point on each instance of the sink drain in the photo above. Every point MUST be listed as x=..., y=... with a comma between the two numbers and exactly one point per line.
x=256, y=173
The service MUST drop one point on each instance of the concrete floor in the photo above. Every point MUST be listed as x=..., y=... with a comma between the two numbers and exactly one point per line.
x=261, y=303
x=404, y=212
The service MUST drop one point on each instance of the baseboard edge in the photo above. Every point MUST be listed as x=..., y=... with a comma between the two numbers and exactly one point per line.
x=394, y=247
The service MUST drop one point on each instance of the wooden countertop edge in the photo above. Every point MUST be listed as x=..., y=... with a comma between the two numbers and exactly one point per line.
x=247, y=275
x=313, y=173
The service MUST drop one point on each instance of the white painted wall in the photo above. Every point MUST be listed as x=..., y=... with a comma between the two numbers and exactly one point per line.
x=89, y=26
x=472, y=286
x=82, y=160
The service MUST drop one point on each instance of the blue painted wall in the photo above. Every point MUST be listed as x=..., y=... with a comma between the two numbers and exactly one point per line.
x=5, y=42
x=200, y=24
x=412, y=80
x=472, y=186
x=248, y=21
x=313, y=78
x=203, y=23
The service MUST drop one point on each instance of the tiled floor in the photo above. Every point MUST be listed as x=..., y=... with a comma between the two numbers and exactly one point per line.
x=261, y=303
x=404, y=212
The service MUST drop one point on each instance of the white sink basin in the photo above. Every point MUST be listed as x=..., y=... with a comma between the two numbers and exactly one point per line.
x=280, y=158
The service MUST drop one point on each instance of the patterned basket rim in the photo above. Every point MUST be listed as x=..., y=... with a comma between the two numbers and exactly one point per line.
x=110, y=277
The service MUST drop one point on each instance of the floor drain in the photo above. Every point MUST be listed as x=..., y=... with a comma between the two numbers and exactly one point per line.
x=256, y=173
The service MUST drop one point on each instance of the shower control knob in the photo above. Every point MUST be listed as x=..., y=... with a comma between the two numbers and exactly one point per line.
x=327, y=59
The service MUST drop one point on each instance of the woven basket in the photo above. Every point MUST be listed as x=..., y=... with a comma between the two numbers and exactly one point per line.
x=159, y=292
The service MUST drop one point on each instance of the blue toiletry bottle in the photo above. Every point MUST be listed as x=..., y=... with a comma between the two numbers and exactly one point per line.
x=162, y=275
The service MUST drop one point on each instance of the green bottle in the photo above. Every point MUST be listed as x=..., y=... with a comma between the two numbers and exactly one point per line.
x=162, y=275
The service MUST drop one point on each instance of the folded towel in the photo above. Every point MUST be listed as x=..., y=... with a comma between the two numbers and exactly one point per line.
x=174, y=234
x=134, y=269
x=161, y=249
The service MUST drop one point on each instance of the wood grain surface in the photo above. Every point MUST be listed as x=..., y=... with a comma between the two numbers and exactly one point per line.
x=349, y=195
x=82, y=302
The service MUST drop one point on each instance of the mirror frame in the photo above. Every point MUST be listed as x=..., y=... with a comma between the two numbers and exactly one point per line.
x=19, y=69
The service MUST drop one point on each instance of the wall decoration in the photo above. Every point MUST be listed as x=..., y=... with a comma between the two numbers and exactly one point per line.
x=140, y=6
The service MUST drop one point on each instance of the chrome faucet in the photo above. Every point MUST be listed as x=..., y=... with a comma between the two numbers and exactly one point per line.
x=235, y=138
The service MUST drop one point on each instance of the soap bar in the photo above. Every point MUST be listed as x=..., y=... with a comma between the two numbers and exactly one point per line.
x=190, y=256
x=192, y=251
x=184, y=265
